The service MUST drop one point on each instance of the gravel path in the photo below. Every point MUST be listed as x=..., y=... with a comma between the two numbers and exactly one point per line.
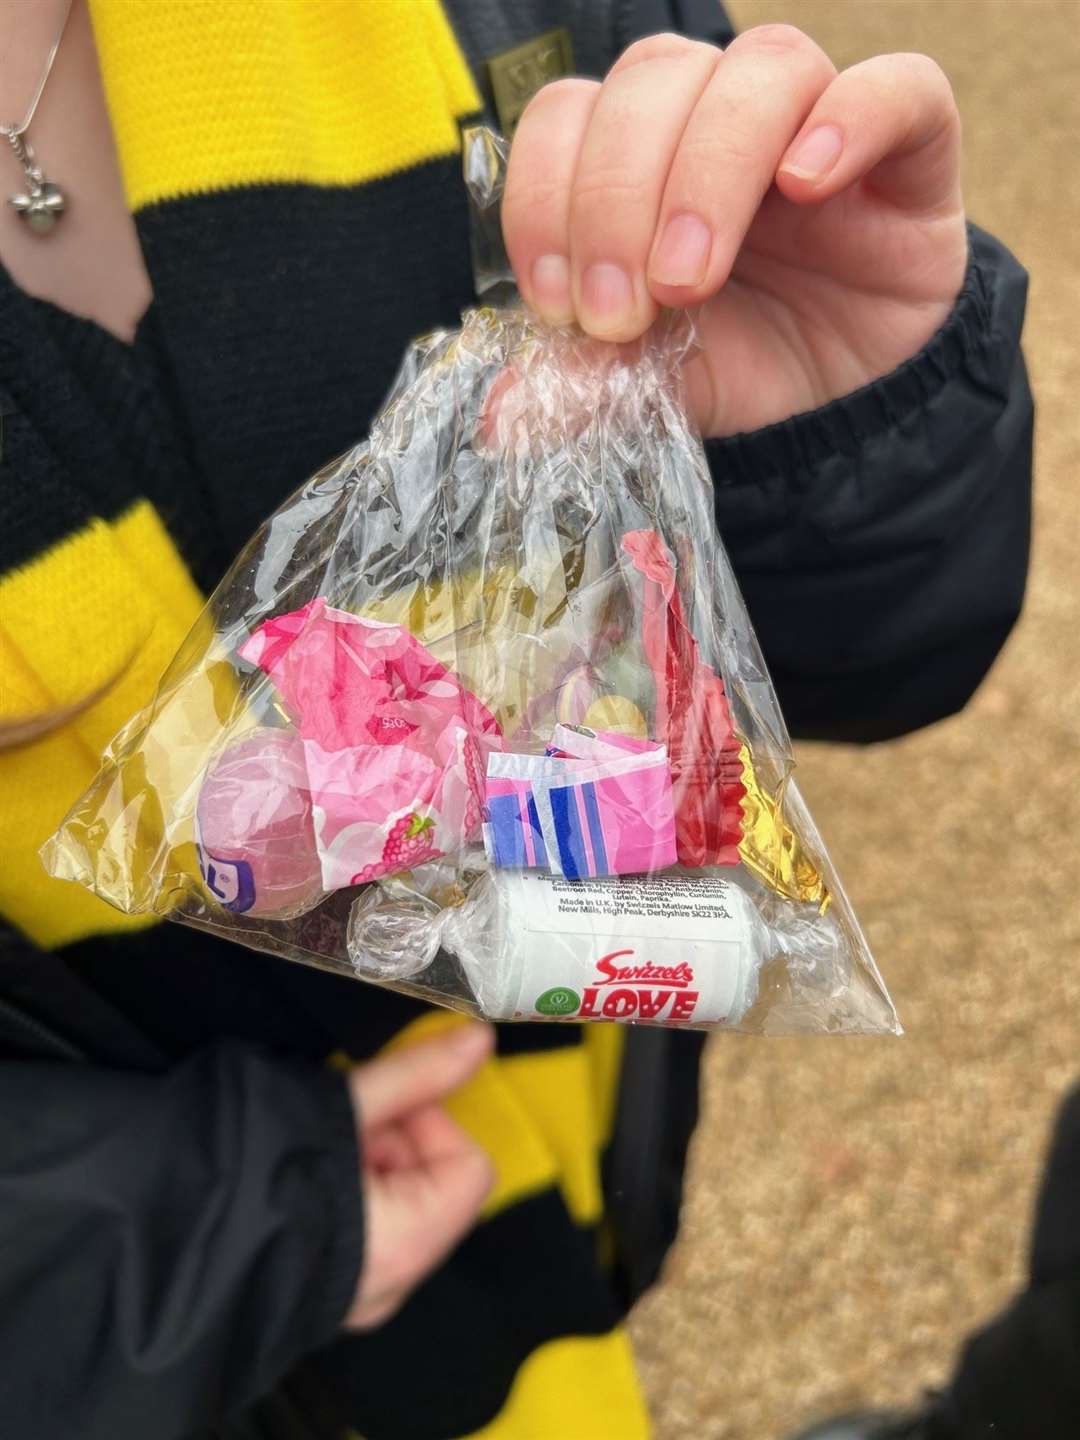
x=856, y=1206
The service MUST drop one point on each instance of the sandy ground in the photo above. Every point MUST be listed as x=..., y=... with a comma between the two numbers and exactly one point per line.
x=856, y=1206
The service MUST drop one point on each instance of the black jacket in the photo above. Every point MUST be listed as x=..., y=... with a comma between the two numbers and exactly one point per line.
x=179, y=1221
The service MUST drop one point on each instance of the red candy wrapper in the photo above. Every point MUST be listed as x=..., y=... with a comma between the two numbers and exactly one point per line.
x=692, y=717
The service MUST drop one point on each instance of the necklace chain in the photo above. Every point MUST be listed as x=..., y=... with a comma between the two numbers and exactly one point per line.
x=13, y=132
x=43, y=202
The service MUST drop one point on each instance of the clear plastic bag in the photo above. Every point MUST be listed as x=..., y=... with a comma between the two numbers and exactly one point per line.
x=479, y=714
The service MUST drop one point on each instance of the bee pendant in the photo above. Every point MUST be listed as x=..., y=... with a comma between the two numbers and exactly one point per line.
x=43, y=203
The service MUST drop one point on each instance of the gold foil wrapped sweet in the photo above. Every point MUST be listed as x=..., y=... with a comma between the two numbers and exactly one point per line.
x=771, y=849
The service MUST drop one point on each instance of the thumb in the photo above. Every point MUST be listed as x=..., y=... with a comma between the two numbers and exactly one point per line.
x=415, y=1216
x=384, y=1089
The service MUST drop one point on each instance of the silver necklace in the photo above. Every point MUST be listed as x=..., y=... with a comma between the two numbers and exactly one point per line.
x=43, y=203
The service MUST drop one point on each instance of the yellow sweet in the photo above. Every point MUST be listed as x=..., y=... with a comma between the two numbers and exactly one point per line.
x=617, y=713
x=507, y=642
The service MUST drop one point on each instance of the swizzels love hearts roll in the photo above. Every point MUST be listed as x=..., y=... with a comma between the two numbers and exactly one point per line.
x=673, y=948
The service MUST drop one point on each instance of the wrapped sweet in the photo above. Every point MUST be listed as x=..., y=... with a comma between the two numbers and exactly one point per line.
x=393, y=744
x=254, y=828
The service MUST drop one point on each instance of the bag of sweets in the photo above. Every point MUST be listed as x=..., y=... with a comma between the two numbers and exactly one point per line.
x=479, y=714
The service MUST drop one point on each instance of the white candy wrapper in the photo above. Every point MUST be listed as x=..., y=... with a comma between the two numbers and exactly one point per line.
x=670, y=948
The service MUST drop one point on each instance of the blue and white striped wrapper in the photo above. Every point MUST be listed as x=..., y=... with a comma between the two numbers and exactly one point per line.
x=589, y=830
x=513, y=837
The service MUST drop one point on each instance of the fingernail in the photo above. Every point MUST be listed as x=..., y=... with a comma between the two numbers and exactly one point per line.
x=815, y=154
x=551, y=286
x=607, y=297
x=682, y=257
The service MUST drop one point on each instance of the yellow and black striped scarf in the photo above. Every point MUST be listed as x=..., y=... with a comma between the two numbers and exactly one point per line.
x=269, y=149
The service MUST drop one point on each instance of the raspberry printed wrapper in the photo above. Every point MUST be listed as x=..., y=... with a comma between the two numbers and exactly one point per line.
x=479, y=714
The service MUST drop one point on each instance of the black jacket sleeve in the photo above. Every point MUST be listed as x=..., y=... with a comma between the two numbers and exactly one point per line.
x=882, y=541
x=171, y=1243
x=1032, y=1349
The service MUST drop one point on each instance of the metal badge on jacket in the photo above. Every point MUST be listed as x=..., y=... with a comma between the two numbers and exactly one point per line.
x=517, y=74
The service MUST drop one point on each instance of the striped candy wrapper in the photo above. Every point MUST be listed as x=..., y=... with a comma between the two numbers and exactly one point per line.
x=581, y=816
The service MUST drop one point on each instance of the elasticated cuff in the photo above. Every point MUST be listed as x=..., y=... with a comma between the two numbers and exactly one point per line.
x=968, y=341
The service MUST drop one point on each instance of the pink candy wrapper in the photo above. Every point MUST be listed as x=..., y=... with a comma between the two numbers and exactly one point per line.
x=396, y=748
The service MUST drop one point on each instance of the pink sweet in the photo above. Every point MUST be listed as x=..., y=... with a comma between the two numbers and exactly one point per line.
x=395, y=746
x=254, y=824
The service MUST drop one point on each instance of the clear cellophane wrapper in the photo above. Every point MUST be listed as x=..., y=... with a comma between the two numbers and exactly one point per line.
x=479, y=714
